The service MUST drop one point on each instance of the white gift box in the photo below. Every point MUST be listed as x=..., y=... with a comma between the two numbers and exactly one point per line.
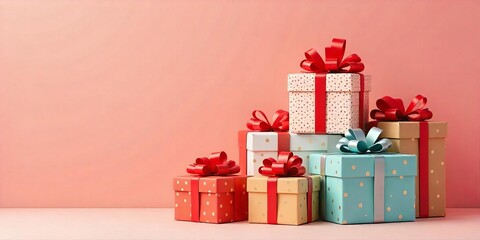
x=261, y=145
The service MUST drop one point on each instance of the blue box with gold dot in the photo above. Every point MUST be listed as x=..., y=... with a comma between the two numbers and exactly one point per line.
x=366, y=188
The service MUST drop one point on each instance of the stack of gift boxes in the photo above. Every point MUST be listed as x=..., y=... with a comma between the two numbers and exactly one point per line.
x=323, y=159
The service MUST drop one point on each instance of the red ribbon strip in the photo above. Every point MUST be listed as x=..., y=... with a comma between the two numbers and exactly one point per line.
x=216, y=164
x=334, y=63
x=392, y=109
x=320, y=103
x=309, y=198
x=423, y=170
x=287, y=165
x=280, y=122
x=272, y=199
x=195, y=199
x=239, y=208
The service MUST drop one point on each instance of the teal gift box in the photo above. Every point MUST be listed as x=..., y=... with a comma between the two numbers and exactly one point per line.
x=366, y=188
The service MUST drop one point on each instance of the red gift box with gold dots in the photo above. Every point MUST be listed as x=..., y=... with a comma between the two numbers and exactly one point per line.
x=211, y=199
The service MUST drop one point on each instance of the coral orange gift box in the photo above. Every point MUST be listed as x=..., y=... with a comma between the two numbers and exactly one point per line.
x=283, y=195
x=211, y=194
x=411, y=134
x=332, y=95
x=265, y=140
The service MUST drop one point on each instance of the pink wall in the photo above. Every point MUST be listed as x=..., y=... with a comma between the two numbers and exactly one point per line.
x=103, y=102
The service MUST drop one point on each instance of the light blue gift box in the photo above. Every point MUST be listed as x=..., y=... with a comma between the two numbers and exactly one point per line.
x=366, y=188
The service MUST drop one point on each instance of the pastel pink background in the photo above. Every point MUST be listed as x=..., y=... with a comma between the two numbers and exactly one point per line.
x=103, y=102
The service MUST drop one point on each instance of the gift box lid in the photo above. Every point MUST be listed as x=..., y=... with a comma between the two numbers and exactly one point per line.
x=269, y=141
x=313, y=142
x=263, y=141
x=294, y=185
x=336, y=82
x=411, y=129
x=345, y=165
x=210, y=184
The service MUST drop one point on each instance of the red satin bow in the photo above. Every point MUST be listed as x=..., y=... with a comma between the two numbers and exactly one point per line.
x=392, y=109
x=287, y=165
x=333, y=60
x=216, y=164
x=280, y=122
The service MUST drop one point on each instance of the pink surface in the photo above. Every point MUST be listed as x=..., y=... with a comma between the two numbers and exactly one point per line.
x=103, y=102
x=159, y=224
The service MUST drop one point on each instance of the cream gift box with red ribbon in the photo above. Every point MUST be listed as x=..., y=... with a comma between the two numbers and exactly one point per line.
x=283, y=195
x=331, y=96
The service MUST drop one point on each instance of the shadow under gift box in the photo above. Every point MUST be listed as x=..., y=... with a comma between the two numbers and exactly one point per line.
x=212, y=199
x=366, y=188
x=256, y=146
x=405, y=137
x=343, y=111
x=292, y=200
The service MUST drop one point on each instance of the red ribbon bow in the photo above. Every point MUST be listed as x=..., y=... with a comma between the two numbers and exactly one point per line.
x=287, y=165
x=392, y=109
x=333, y=60
x=216, y=164
x=280, y=122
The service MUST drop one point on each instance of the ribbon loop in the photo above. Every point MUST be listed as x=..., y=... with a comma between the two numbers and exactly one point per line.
x=287, y=165
x=334, y=61
x=280, y=122
x=392, y=109
x=356, y=142
x=216, y=164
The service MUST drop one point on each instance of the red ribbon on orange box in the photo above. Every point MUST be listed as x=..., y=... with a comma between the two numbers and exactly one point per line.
x=334, y=63
x=287, y=165
x=217, y=164
x=392, y=109
x=423, y=170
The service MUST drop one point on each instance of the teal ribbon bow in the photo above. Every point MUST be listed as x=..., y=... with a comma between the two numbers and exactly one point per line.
x=356, y=142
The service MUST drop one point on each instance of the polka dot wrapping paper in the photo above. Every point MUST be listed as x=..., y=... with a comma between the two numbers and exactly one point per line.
x=219, y=199
x=348, y=190
x=291, y=200
x=342, y=110
x=405, y=139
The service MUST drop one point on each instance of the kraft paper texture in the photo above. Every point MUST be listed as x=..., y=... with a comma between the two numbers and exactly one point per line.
x=404, y=136
x=292, y=200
